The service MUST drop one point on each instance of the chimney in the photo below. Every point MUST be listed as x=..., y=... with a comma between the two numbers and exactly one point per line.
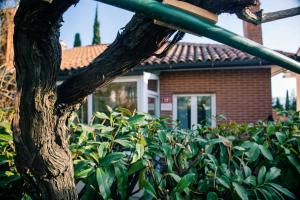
x=6, y=36
x=251, y=31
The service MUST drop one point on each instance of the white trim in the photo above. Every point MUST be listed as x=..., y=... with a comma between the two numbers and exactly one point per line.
x=194, y=105
x=90, y=107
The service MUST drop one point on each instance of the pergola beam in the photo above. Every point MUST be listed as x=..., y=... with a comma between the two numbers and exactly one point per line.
x=200, y=26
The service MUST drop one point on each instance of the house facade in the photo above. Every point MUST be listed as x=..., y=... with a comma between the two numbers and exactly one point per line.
x=193, y=83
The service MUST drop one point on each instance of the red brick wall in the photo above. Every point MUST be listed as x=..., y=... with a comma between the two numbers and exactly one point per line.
x=242, y=95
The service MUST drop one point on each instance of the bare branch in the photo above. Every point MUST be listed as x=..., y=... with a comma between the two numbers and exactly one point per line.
x=260, y=17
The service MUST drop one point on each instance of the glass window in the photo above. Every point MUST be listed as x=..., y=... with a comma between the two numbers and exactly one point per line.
x=194, y=109
x=119, y=94
x=184, y=111
x=204, y=110
x=82, y=113
x=152, y=105
x=153, y=85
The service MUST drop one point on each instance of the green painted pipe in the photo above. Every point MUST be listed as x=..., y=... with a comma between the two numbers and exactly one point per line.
x=201, y=26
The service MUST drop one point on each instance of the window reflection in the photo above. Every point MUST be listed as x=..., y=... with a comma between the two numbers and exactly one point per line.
x=184, y=111
x=121, y=94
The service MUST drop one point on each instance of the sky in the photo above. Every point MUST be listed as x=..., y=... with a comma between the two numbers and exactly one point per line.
x=281, y=34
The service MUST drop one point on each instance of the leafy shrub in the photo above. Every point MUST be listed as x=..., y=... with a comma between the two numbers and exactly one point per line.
x=128, y=154
x=124, y=155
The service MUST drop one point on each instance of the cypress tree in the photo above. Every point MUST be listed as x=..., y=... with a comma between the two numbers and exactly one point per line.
x=77, y=40
x=294, y=104
x=287, y=101
x=278, y=104
x=96, y=37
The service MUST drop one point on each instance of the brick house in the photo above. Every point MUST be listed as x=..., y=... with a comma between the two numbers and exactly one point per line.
x=192, y=83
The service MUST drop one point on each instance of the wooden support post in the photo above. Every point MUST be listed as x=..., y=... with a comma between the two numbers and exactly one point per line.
x=209, y=16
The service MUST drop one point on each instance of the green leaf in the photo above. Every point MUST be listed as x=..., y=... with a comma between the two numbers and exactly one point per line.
x=102, y=183
x=250, y=180
x=283, y=190
x=265, y=152
x=185, y=182
x=267, y=195
x=212, y=196
x=136, y=119
x=224, y=181
x=26, y=197
x=253, y=153
x=111, y=158
x=137, y=166
x=272, y=174
x=6, y=137
x=240, y=190
x=281, y=137
x=149, y=189
x=101, y=115
x=261, y=175
x=175, y=177
x=125, y=143
x=84, y=173
x=295, y=161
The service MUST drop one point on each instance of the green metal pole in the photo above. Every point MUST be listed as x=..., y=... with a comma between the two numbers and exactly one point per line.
x=201, y=26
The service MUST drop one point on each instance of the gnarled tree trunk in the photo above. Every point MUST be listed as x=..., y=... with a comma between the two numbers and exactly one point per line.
x=42, y=108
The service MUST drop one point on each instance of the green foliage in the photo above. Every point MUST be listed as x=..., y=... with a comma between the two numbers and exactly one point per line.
x=122, y=155
x=77, y=40
x=127, y=155
x=96, y=29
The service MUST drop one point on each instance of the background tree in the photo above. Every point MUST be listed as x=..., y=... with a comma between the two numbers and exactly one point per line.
x=43, y=108
x=96, y=29
x=77, y=40
x=287, y=101
x=294, y=104
x=277, y=104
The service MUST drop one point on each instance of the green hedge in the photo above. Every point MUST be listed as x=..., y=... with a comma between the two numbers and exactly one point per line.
x=123, y=155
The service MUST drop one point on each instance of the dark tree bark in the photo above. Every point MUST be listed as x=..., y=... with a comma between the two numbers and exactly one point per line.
x=42, y=109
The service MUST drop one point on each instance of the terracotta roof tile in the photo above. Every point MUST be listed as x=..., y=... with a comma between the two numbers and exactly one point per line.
x=190, y=53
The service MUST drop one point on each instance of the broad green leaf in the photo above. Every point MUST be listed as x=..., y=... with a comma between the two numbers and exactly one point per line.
x=175, y=177
x=261, y=175
x=125, y=143
x=101, y=115
x=267, y=195
x=247, y=170
x=26, y=197
x=125, y=111
x=281, y=137
x=136, y=119
x=295, y=161
x=283, y=190
x=111, y=158
x=250, y=180
x=253, y=153
x=6, y=137
x=122, y=180
x=102, y=183
x=212, y=196
x=240, y=190
x=224, y=181
x=185, y=182
x=137, y=166
x=265, y=152
x=272, y=174
x=149, y=189
x=84, y=173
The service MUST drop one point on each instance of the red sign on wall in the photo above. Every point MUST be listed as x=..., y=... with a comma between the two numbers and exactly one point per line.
x=166, y=100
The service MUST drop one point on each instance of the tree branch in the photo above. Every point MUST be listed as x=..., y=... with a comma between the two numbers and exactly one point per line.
x=139, y=40
x=260, y=17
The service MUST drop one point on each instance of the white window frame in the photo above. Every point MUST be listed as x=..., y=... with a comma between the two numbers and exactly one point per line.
x=142, y=92
x=194, y=110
